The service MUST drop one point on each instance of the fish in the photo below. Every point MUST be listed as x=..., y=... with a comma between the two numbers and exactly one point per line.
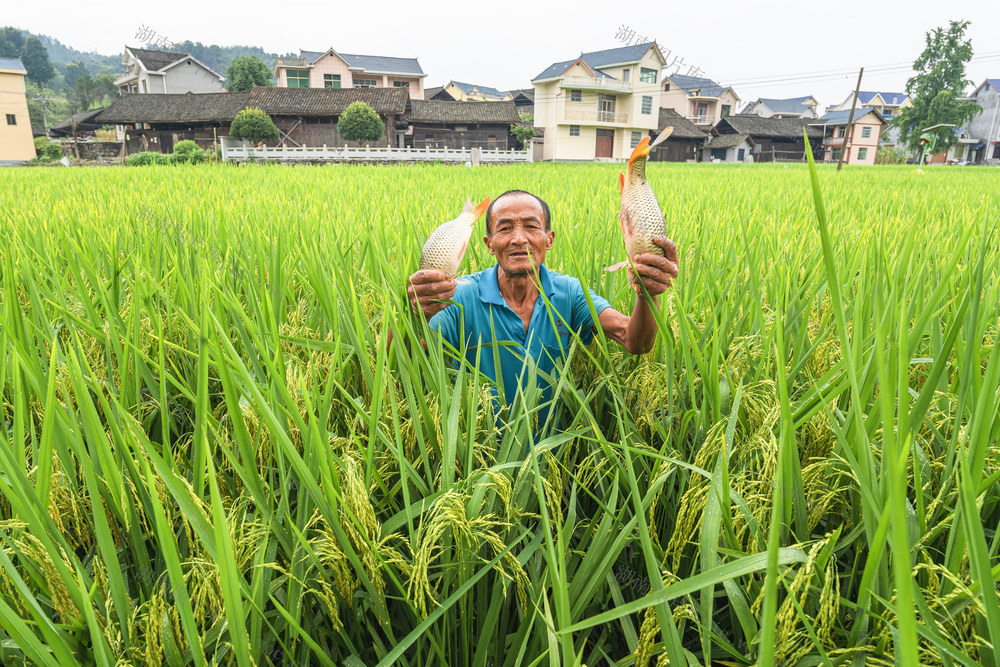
x=640, y=215
x=446, y=245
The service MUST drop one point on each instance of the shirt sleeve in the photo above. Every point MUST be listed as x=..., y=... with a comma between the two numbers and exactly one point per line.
x=583, y=322
x=446, y=323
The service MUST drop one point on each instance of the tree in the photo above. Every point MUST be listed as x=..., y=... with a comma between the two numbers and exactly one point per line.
x=73, y=71
x=35, y=58
x=106, y=86
x=245, y=72
x=935, y=88
x=525, y=131
x=11, y=42
x=253, y=125
x=84, y=93
x=359, y=122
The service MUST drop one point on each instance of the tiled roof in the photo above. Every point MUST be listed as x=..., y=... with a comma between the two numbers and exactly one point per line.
x=325, y=101
x=787, y=105
x=155, y=60
x=84, y=121
x=683, y=128
x=467, y=88
x=891, y=99
x=436, y=111
x=386, y=64
x=173, y=108
x=770, y=128
x=12, y=64
x=995, y=83
x=728, y=141
x=840, y=117
x=598, y=59
x=688, y=84
x=529, y=93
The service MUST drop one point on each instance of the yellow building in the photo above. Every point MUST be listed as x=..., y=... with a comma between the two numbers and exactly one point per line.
x=600, y=104
x=15, y=127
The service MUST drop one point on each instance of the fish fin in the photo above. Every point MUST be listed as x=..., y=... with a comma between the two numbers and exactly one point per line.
x=621, y=182
x=468, y=205
x=641, y=150
x=617, y=267
x=663, y=136
x=480, y=208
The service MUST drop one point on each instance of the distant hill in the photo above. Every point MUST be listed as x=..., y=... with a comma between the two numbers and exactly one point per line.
x=216, y=57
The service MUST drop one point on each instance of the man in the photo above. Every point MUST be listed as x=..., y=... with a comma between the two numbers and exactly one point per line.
x=504, y=300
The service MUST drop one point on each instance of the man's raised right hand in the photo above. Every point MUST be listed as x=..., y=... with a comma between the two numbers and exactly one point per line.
x=428, y=288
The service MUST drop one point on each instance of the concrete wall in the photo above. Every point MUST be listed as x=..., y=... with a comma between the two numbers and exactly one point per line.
x=93, y=150
x=985, y=127
x=189, y=76
x=16, y=142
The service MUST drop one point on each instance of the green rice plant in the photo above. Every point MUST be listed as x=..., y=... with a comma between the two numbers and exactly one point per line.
x=210, y=455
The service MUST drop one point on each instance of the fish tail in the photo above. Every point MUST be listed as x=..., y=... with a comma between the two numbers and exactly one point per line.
x=662, y=136
x=480, y=208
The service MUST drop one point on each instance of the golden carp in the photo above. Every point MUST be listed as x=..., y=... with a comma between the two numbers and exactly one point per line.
x=640, y=215
x=446, y=245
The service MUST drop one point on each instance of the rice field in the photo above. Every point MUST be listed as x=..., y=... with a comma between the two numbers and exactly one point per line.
x=209, y=455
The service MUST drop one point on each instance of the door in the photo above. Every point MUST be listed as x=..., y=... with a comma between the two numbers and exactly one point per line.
x=605, y=143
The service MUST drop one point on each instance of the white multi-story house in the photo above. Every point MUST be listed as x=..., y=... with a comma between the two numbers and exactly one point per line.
x=702, y=101
x=984, y=128
x=332, y=69
x=149, y=71
x=600, y=104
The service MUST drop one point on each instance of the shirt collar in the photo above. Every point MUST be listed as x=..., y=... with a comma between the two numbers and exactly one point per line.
x=489, y=288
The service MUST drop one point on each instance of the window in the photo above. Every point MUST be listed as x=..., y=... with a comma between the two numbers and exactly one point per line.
x=866, y=132
x=647, y=104
x=726, y=109
x=606, y=108
x=636, y=138
x=297, y=78
x=666, y=86
x=11, y=119
x=719, y=154
x=331, y=81
x=400, y=84
x=840, y=131
x=366, y=83
x=887, y=114
x=626, y=74
x=576, y=96
x=862, y=153
x=741, y=154
x=647, y=75
x=835, y=154
x=144, y=89
x=574, y=130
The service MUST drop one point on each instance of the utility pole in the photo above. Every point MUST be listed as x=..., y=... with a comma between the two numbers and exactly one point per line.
x=45, y=117
x=850, y=121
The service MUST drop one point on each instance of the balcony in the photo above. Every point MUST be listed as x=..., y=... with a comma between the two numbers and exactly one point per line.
x=125, y=78
x=592, y=116
x=700, y=120
x=291, y=62
x=601, y=84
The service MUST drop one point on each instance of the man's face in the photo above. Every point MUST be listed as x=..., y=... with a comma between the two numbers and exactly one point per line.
x=519, y=239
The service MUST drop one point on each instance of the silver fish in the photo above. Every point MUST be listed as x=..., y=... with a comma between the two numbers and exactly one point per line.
x=446, y=245
x=640, y=215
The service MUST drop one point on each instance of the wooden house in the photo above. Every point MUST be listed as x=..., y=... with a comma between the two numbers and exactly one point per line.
x=774, y=139
x=437, y=123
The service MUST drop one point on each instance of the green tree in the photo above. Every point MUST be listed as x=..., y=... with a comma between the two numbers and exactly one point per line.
x=935, y=88
x=245, y=72
x=84, y=93
x=359, y=122
x=11, y=42
x=524, y=131
x=73, y=71
x=35, y=58
x=253, y=125
x=106, y=85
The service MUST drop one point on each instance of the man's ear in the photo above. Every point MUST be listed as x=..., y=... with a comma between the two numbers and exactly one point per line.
x=486, y=240
x=552, y=238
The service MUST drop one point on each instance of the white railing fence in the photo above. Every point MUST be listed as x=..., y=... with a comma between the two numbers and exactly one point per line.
x=234, y=150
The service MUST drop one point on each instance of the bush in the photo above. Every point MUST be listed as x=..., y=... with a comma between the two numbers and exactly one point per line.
x=146, y=158
x=359, y=122
x=187, y=151
x=890, y=155
x=253, y=125
x=47, y=151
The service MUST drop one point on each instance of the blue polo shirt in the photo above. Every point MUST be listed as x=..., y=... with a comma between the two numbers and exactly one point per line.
x=480, y=313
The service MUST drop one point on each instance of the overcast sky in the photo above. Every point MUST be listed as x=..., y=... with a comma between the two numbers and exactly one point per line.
x=505, y=45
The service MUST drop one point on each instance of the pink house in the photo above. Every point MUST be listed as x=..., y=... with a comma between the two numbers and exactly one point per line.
x=331, y=69
x=864, y=136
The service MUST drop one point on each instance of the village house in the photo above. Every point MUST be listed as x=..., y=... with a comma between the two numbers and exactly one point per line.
x=304, y=117
x=887, y=104
x=148, y=71
x=598, y=105
x=16, y=142
x=465, y=92
x=729, y=148
x=790, y=107
x=683, y=144
x=439, y=124
x=985, y=126
x=773, y=139
x=332, y=69
x=438, y=93
x=702, y=101
x=961, y=151
x=524, y=100
x=862, y=144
